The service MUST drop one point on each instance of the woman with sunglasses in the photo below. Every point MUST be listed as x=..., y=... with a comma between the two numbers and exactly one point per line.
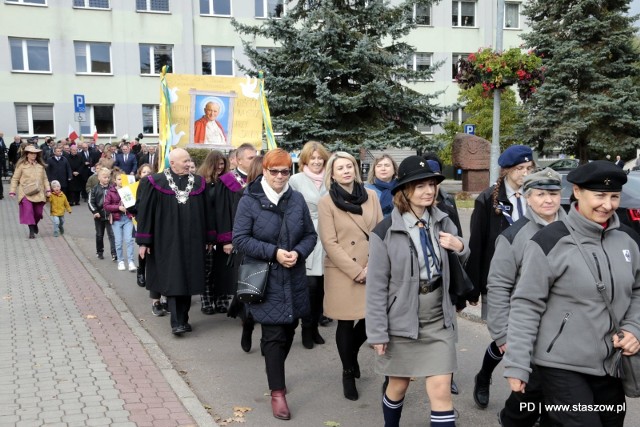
x=346, y=217
x=273, y=224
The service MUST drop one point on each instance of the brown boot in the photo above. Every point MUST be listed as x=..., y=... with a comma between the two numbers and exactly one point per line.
x=279, y=405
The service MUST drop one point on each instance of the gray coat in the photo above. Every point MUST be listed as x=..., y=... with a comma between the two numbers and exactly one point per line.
x=303, y=184
x=558, y=318
x=505, y=270
x=393, y=278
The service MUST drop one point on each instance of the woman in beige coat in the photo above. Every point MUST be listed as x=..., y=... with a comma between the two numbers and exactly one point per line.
x=346, y=217
x=30, y=181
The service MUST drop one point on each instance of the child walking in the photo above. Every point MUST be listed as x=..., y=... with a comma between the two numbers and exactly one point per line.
x=100, y=216
x=59, y=204
x=120, y=222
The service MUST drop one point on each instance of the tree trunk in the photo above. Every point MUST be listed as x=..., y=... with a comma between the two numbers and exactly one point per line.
x=582, y=148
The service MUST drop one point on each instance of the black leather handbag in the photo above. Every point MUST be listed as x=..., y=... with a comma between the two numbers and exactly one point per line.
x=252, y=281
x=459, y=283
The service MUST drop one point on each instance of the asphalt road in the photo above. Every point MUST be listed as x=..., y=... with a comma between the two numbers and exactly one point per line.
x=223, y=376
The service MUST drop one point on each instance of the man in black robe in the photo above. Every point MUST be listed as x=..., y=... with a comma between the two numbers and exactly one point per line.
x=173, y=232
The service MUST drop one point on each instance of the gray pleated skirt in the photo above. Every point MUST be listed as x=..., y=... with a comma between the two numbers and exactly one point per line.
x=433, y=353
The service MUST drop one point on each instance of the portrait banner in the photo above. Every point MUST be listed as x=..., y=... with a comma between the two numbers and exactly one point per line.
x=212, y=111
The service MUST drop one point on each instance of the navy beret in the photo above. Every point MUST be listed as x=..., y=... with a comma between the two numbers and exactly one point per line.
x=599, y=175
x=515, y=155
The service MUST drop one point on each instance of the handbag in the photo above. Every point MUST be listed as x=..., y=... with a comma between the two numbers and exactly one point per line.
x=253, y=276
x=460, y=285
x=31, y=188
x=627, y=368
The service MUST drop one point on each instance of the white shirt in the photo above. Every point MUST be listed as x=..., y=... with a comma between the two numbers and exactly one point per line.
x=213, y=134
x=511, y=194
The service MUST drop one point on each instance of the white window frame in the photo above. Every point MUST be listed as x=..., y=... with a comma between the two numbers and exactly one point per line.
x=458, y=116
x=265, y=10
x=25, y=56
x=458, y=14
x=87, y=5
x=212, y=12
x=148, y=8
x=506, y=24
x=87, y=46
x=212, y=54
x=31, y=131
x=455, y=58
x=415, y=16
x=152, y=63
x=414, y=63
x=155, y=119
x=26, y=3
x=92, y=122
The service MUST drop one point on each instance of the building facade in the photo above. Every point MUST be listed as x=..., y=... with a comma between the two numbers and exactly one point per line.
x=112, y=51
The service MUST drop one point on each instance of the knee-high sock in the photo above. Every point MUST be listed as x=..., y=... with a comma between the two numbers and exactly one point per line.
x=392, y=411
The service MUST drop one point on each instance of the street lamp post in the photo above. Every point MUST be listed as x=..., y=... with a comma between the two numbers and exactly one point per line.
x=494, y=170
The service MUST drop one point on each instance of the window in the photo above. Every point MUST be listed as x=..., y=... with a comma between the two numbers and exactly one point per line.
x=459, y=116
x=424, y=128
x=419, y=61
x=150, y=119
x=455, y=60
x=217, y=61
x=152, y=5
x=29, y=55
x=422, y=14
x=269, y=8
x=37, y=2
x=512, y=15
x=93, y=57
x=93, y=4
x=99, y=117
x=154, y=57
x=34, y=119
x=464, y=14
x=215, y=7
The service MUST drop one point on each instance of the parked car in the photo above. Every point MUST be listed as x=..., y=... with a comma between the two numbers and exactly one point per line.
x=629, y=209
x=564, y=164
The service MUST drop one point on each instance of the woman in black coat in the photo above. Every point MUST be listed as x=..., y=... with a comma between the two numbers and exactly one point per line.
x=260, y=234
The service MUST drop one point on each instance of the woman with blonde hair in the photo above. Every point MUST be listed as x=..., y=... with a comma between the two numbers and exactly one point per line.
x=29, y=182
x=346, y=217
x=310, y=182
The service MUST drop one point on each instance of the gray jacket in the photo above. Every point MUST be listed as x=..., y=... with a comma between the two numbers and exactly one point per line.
x=393, y=278
x=505, y=270
x=558, y=318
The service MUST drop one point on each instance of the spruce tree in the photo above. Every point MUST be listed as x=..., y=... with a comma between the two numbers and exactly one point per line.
x=339, y=74
x=588, y=104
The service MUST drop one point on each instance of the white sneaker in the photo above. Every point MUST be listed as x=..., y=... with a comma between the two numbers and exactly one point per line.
x=121, y=266
x=132, y=266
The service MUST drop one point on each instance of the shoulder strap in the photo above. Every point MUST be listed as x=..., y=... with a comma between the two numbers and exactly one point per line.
x=599, y=285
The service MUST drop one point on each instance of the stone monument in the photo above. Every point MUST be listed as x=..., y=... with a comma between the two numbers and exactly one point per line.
x=472, y=154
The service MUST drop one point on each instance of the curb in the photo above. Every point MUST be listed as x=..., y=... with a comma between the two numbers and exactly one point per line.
x=186, y=396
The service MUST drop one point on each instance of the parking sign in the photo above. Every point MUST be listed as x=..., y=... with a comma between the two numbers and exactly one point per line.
x=470, y=129
x=78, y=104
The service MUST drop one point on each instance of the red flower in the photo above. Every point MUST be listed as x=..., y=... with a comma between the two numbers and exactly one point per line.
x=488, y=69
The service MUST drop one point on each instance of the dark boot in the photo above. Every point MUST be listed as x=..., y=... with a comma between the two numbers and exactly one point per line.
x=356, y=365
x=307, y=337
x=349, y=384
x=279, y=405
x=247, y=331
x=481, y=390
x=32, y=232
x=35, y=229
x=317, y=338
x=141, y=279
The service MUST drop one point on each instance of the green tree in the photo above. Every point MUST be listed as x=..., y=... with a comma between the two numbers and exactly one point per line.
x=339, y=74
x=589, y=101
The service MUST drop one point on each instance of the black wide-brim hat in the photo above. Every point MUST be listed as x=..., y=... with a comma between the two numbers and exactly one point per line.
x=414, y=168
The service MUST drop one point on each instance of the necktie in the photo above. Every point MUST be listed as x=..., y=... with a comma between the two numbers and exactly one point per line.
x=151, y=159
x=86, y=155
x=519, y=206
x=427, y=247
x=125, y=158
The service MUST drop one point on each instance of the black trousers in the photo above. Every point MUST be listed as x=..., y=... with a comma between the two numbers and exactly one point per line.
x=179, y=307
x=101, y=226
x=315, y=284
x=275, y=345
x=562, y=387
x=524, y=409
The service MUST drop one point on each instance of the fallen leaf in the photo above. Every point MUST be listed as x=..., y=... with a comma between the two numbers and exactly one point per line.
x=241, y=409
x=91, y=316
x=6, y=297
x=332, y=424
x=182, y=372
x=239, y=420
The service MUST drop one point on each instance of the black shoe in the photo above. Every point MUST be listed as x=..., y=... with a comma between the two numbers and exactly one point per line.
x=157, y=310
x=140, y=279
x=221, y=309
x=481, y=391
x=165, y=306
x=349, y=385
x=208, y=310
x=35, y=229
x=179, y=330
x=31, y=235
x=187, y=327
x=454, y=387
x=324, y=321
x=317, y=338
x=307, y=337
x=100, y=256
x=114, y=257
x=245, y=342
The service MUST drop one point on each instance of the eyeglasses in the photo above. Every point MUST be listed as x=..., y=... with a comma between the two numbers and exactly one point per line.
x=283, y=172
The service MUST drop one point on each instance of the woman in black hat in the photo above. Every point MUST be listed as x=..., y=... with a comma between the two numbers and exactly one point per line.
x=410, y=317
x=559, y=320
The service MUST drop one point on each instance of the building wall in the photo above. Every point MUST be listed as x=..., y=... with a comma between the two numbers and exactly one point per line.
x=185, y=29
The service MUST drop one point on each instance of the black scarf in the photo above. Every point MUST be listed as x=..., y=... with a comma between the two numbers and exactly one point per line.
x=348, y=202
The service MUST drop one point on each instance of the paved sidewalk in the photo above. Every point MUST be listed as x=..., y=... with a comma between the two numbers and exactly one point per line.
x=68, y=352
